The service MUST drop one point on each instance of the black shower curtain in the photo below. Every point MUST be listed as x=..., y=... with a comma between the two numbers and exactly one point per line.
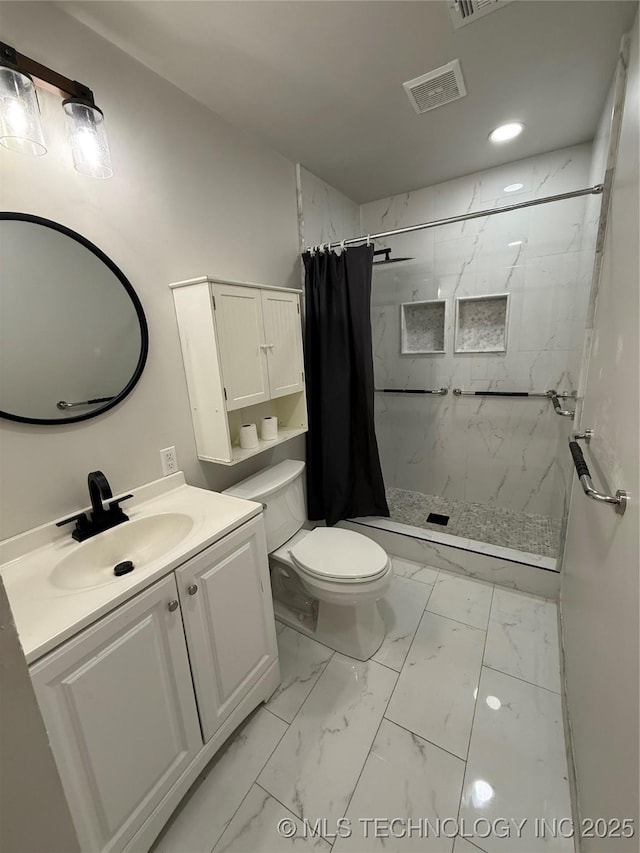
x=344, y=478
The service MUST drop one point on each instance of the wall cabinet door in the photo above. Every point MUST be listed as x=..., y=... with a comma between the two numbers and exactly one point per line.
x=228, y=617
x=283, y=339
x=119, y=707
x=238, y=312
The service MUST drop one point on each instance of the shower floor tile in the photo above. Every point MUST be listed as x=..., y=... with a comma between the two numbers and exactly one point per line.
x=537, y=534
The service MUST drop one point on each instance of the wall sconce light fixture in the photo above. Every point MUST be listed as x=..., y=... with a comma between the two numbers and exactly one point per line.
x=20, y=127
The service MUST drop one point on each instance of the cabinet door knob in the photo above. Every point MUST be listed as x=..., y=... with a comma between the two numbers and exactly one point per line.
x=173, y=605
x=192, y=588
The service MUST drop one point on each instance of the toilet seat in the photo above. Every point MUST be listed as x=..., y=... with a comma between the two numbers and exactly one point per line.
x=341, y=556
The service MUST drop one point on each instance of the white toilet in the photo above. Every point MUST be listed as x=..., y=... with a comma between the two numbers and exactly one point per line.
x=326, y=582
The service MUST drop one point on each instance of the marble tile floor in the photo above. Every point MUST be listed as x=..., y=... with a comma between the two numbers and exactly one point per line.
x=455, y=725
x=537, y=534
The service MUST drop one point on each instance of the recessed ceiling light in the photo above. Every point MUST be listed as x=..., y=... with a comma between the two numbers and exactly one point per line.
x=506, y=131
x=513, y=188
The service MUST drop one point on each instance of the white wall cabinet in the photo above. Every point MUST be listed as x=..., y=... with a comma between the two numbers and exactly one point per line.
x=243, y=359
x=127, y=701
x=242, y=342
x=228, y=617
x=283, y=344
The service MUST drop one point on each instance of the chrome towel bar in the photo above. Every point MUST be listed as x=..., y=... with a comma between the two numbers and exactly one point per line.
x=62, y=404
x=441, y=392
x=619, y=500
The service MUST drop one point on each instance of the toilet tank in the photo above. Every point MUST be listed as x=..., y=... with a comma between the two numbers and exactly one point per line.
x=280, y=490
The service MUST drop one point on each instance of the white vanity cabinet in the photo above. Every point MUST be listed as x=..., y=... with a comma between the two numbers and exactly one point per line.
x=243, y=359
x=228, y=618
x=118, y=704
x=137, y=704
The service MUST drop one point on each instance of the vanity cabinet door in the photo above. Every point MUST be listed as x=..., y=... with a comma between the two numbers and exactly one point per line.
x=283, y=339
x=238, y=312
x=228, y=617
x=119, y=707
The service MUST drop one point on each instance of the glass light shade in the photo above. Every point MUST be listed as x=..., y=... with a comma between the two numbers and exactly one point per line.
x=20, y=128
x=88, y=138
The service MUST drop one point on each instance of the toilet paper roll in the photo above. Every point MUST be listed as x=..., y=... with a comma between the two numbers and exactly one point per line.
x=248, y=436
x=269, y=429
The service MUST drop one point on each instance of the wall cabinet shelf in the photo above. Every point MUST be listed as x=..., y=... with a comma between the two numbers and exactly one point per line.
x=242, y=352
x=137, y=702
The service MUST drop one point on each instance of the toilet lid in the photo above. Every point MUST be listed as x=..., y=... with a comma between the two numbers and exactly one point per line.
x=330, y=552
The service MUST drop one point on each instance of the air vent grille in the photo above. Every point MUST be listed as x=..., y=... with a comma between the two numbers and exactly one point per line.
x=436, y=88
x=465, y=11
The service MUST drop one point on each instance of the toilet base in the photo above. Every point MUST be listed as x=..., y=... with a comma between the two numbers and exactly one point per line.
x=357, y=631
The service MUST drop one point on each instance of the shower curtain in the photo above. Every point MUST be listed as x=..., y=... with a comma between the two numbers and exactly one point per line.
x=344, y=478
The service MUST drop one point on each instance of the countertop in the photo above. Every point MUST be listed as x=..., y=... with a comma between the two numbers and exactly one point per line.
x=46, y=615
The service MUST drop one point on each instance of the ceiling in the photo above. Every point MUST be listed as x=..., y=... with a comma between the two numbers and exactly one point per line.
x=321, y=81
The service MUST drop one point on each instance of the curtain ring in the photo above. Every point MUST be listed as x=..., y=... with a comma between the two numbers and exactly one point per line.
x=343, y=248
x=368, y=239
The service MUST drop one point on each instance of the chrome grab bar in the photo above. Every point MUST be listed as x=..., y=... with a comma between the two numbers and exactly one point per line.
x=621, y=498
x=441, y=392
x=458, y=392
x=555, y=399
x=62, y=404
x=553, y=395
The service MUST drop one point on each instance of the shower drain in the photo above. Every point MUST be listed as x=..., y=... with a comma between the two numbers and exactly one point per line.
x=436, y=518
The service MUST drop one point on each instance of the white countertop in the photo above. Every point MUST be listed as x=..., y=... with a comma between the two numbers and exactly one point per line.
x=46, y=615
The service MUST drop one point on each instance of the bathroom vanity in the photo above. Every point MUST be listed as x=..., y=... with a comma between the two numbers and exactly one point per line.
x=141, y=678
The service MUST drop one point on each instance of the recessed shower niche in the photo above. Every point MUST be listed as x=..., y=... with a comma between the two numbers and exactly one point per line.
x=422, y=327
x=481, y=323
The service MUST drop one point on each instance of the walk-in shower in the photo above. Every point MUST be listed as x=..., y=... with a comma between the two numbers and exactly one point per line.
x=478, y=341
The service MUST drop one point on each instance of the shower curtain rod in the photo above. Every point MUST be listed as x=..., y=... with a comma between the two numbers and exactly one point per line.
x=478, y=214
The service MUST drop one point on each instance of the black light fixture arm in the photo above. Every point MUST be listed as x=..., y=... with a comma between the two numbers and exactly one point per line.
x=64, y=85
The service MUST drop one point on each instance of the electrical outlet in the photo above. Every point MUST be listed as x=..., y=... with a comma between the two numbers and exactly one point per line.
x=169, y=461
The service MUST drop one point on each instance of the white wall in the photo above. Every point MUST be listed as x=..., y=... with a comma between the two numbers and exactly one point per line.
x=499, y=452
x=190, y=195
x=599, y=592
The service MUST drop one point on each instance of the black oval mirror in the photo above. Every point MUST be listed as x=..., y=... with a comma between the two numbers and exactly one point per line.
x=73, y=335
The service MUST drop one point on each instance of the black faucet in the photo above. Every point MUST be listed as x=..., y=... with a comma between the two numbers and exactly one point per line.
x=99, y=519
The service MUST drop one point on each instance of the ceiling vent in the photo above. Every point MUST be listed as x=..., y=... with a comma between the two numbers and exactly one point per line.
x=436, y=88
x=465, y=11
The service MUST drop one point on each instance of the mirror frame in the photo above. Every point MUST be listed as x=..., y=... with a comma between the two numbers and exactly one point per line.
x=142, y=320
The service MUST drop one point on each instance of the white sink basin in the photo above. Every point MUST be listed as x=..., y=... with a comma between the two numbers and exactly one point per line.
x=146, y=539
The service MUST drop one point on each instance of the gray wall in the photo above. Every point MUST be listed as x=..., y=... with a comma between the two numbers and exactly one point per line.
x=34, y=816
x=190, y=196
x=599, y=593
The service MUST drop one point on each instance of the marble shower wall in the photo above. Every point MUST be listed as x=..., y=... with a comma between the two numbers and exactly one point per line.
x=496, y=451
x=324, y=213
